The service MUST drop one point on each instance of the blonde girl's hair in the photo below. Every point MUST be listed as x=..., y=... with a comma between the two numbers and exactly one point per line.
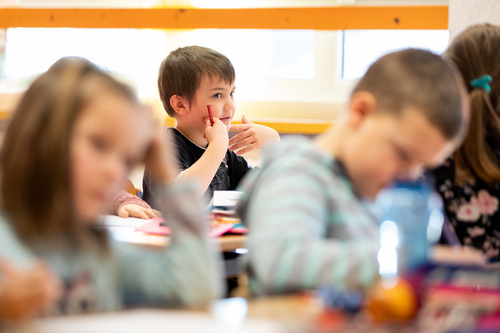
x=476, y=52
x=35, y=169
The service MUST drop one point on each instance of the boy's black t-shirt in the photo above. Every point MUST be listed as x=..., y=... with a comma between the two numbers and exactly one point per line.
x=228, y=176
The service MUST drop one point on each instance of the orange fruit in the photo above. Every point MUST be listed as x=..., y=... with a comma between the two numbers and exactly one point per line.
x=392, y=300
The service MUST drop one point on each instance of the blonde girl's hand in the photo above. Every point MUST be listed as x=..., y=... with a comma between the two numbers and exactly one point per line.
x=138, y=211
x=24, y=293
x=251, y=136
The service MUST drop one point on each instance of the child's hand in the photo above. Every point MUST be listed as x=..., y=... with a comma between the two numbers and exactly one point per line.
x=24, y=293
x=133, y=210
x=252, y=136
x=216, y=134
x=204, y=169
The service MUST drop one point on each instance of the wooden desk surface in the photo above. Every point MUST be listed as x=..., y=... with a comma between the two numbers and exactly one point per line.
x=277, y=314
x=233, y=315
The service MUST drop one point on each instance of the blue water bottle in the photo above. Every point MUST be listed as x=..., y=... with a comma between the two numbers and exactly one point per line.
x=411, y=219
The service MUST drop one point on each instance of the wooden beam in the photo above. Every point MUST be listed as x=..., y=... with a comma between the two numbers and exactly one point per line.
x=291, y=126
x=282, y=126
x=322, y=18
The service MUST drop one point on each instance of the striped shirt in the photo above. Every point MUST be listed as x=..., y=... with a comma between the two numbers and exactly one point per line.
x=308, y=228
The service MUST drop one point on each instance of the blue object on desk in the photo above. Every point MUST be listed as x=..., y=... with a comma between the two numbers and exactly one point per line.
x=412, y=219
x=333, y=298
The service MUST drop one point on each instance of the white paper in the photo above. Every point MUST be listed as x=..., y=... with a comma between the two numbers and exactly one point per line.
x=116, y=221
x=226, y=198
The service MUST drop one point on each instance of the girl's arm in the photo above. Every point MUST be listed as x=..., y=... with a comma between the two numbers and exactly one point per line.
x=186, y=272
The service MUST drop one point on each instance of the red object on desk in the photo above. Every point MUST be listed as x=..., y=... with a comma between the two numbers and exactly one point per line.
x=155, y=228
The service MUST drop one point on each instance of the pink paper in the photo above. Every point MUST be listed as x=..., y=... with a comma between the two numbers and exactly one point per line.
x=155, y=228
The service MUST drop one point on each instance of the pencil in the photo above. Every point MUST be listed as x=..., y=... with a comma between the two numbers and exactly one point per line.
x=210, y=115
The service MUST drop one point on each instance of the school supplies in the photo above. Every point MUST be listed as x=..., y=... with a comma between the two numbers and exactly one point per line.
x=460, y=298
x=223, y=210
x=157, y=227
x=222, y=217
x=226, y=200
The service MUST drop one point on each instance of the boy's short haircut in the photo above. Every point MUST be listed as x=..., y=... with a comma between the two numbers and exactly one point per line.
x=181, y=72
x=420, y=80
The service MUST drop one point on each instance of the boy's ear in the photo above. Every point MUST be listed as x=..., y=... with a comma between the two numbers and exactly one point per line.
x=361, y=105
x=179, y=104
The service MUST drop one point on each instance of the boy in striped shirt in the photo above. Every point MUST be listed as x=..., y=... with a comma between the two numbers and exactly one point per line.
x=308, y=206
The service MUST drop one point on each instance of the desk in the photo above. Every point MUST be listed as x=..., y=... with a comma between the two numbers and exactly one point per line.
x=123, y=229
x=302, y=313
x=234, y=315
x=279, y=314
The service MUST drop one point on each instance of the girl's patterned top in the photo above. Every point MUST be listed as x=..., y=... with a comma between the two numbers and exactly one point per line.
x=472, y=208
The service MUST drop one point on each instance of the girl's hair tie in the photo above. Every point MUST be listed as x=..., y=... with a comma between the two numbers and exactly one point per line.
x=482, y=82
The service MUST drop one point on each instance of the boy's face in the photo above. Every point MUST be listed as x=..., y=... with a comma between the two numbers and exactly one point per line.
x=220, y=95
x=386, y=148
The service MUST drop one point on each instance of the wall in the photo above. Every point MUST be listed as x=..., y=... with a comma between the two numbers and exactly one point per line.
x=463, y=13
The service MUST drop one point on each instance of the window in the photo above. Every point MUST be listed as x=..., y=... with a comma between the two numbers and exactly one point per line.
x=279, y=73
x=363, y=47
x=132, y=54
x=259, y=56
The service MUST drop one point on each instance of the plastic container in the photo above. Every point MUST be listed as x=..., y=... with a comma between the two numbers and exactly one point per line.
x=411, y=219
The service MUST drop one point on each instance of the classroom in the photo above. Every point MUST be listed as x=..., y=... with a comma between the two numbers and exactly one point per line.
x=249, y=166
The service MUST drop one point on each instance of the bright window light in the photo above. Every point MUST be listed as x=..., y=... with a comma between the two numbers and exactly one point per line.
x=132, y=54
x=363, y=47
x=32, y=51
x=281, y=54
x=269, y=64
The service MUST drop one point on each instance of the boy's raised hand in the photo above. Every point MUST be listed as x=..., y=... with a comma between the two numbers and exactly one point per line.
x=216, y=134
x=251, y=136
x=24, y=293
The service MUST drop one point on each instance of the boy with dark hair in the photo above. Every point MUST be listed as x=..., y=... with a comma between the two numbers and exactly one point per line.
x=189, y=79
